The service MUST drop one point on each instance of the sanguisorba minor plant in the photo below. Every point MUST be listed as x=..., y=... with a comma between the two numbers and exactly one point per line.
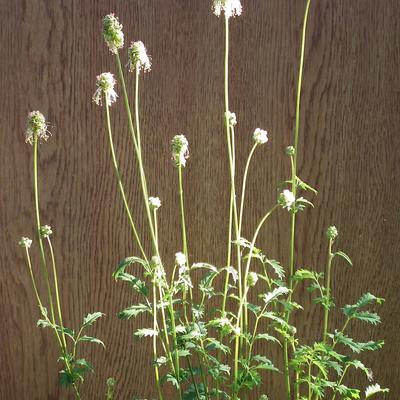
x=206, y=352
x=74, y=366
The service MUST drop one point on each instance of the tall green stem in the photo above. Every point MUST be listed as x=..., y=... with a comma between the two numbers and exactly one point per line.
x=58, y=302
x=38, y=225
x=294, y=191
x=120, y=184
x=328, y=290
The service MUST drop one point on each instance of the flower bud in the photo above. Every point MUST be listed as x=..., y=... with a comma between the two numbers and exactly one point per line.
x=154, y=203
x=36, y=127
x=231, y=8
x=112, y=33
x=332, y=232
x=105, y=83
x=25, y=242
x=286, y=199
x=138, y=58
x=252, y=279
x=180, y=150
x=260, y=136
x=45, y=231
x=230, y=119
x=290, y=151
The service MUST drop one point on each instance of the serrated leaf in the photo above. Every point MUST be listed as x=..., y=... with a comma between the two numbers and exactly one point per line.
x=126, y=262
x=202, y=265
x=374, y=389
x=266, y=336
x=91, y=340
x=279, y=291
x=146, y=332
x=90, y=319
x=134, y=311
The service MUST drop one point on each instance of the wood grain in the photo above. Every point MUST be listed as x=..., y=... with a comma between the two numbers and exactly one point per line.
x=51, y=52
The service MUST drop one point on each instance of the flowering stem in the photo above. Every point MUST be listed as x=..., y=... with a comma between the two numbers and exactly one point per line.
x=57, y=293
x=244, y=186
x=156, y=372
x=246, y=289
x=294, y=191
x=119, y=179
x=328, y=290
x=43, y=257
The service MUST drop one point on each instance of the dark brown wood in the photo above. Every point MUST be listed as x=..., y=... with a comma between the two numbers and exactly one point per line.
x=50, y=54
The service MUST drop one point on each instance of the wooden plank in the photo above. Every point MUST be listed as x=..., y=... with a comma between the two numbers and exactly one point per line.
x=51, y=52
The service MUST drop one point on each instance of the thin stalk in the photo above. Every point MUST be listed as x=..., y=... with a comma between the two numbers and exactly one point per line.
x=155, y=325
x=294, y=191
x=246, y=170
x=341, y=380
x=58, y=302
x=38, y=225
x=328, y=290
x=309, y=381
x=246, y=288
x=156, y=371
x=193, y=378
x=120, y=184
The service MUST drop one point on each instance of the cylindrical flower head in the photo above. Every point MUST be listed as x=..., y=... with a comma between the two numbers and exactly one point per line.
x=230, y=119
x=138, y=58
x=180, y=150
x=286, y=199
x=112, y=33
x=231, y=8
x=180, y=259
x=45, y=231
x=25, y=242
x=332, y=232
x=260, y=136
x=36, y=127
x=105, y=83
x=154, y=203
x=252, y=279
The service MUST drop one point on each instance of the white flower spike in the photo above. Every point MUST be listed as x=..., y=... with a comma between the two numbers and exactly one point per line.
x=180, y=150
x=112, y=33
x=286, y=199
x=260, y=136
x=231, y=8
x=25, y=242
x=36, y=128
x=154, y=203
x=138, y=58
x=105, y=84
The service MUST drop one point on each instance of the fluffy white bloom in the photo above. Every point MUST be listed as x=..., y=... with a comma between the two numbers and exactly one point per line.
x=236, y=330
x=231, y=8
x=25, y=242
x=180, y=150
x=154, y=203
x=180, y=259
x=36, y=127
x=230, y=118
x=138, y=58
x=45, y=231
x=158, y=269
x=260, y=136
x=112, y=33
x=286, y=199
x=105, y=84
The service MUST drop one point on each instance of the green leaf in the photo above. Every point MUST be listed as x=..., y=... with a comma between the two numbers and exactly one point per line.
x=266, y=336
x=133, y=311
x=264, y=363
x=202, y=265
x=279, y=291
x=344, y=256
x=146, y=332
x=90, y=319
x=276, y=266
x=91, y=340
x=374, y=389
x=134, y=282
x=127, y=262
